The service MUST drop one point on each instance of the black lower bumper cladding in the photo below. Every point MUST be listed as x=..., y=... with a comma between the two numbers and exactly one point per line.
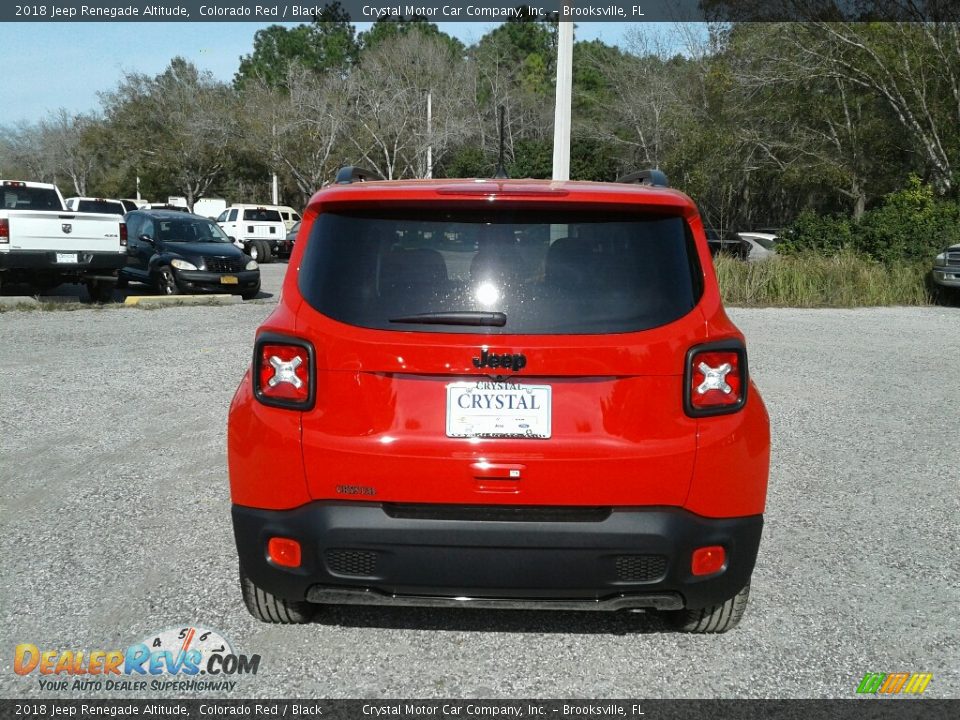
x=362, y=553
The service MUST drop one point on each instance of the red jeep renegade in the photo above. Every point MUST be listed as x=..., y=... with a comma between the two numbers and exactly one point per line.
x=499, y=393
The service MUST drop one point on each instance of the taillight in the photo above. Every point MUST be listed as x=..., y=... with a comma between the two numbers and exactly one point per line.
x=4, y=230
x=715, y=379
x=123, y=234
x=283, y=372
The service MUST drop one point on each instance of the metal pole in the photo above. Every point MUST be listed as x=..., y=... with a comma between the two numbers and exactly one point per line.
x=561, y=122
x=429, y=133
x=275, y=196
x=138, y=187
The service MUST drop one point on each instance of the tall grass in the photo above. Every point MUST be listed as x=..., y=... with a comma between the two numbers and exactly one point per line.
x=813, y=280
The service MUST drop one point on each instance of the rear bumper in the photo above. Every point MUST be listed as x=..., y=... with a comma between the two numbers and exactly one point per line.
x=46, y=260
x=371, y=553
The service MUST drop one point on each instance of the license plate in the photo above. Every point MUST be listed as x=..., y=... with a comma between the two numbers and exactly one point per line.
x=66, y=257
x=492, y=409
x=228, y=280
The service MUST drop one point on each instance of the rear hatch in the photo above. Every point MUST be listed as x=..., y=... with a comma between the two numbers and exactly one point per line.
x=262, y=223
x=512, y=356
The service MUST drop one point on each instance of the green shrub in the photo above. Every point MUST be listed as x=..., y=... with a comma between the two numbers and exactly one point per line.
x=810, y=232
x=912, y=225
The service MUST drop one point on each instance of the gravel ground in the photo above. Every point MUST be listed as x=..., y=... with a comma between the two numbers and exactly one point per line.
x=115, y=522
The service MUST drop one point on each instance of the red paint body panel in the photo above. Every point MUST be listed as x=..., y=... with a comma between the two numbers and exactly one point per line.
x=619, y=437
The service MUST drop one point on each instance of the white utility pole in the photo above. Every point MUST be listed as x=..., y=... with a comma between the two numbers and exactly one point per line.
x=561, y=121
x=429, y=133
x=138, y=187
x=273, y=132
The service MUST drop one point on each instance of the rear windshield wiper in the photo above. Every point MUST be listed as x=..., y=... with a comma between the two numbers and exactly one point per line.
x=463, y=317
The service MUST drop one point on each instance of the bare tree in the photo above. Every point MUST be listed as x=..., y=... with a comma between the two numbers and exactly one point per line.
x=913, y=67
x=26, y=147
x=388, y=102
x=647, y=98
x=299, y=125
x=73, y=147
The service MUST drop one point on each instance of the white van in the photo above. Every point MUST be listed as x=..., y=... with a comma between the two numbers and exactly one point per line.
x=289, y=216
x=258, y=230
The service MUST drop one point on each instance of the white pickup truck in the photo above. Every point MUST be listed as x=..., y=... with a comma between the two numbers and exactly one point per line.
x=42, y=244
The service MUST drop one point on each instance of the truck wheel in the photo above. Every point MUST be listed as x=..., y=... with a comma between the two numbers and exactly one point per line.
x=716, y=619
x=268, y=608
x=253, y=250
x=265, y=254
x=100, y=291
x=167, y=282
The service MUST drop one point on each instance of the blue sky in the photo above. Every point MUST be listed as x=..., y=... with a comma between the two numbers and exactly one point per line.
x=53, y=65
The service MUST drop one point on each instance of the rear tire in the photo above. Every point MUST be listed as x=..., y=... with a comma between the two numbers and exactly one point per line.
x=267, y=607
x=266, y=255
x=100, y=291
x=716, y=619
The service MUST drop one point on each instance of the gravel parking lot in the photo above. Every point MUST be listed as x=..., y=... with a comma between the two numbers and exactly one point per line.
x=115, y=521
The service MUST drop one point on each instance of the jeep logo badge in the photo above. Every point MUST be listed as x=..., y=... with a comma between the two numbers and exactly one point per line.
x=492, y=360
x=67, y=228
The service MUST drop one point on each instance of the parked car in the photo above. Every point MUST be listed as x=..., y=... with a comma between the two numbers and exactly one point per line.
x=727, y=243
x=499, y=393
x=946, y=268
x=96, y=205
x=763, y=246
x=292, y=233
x=178, y=252
x=42, y=245
x=257, y=230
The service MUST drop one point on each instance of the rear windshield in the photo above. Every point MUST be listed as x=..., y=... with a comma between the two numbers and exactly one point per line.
x=30, y=198
x=99, y=206
x=261, y=215
x=562, y=272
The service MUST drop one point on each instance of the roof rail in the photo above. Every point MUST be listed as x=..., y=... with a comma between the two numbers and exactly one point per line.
x=351, y=174
x=646, y=177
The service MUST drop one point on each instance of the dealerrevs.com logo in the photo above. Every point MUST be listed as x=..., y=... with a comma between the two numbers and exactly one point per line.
x=894, y=683
x=179, y=659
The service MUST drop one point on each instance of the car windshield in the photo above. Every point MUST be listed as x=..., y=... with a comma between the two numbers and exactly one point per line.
x=190, y=230
x=100, y=206
x=30, y=198
x=262, y=215
x=507, y=272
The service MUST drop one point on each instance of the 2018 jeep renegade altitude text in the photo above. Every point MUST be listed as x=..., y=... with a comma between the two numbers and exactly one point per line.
x=499, y=393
